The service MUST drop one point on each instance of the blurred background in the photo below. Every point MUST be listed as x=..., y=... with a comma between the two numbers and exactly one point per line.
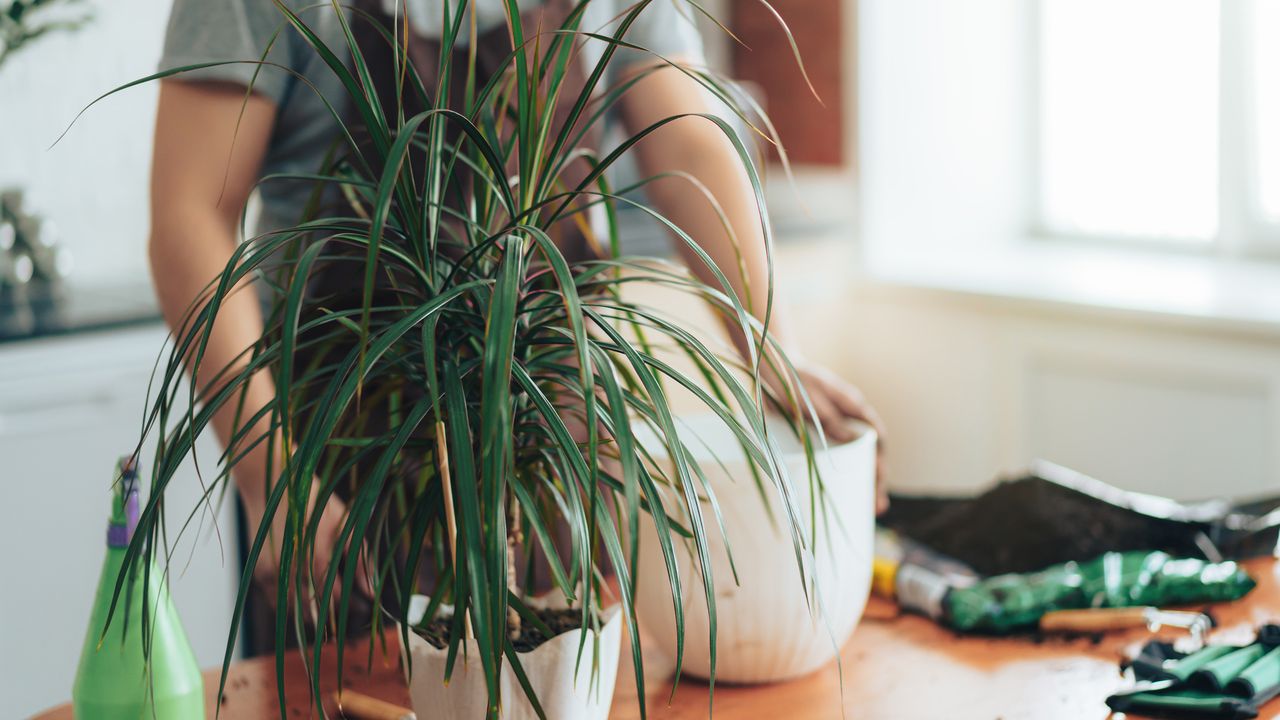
x=1026, y=228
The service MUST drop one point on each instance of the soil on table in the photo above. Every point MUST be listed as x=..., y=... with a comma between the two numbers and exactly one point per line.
x=1028, y=524
x=559, y=622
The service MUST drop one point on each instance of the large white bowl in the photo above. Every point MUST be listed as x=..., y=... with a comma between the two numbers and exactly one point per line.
x=766, y=631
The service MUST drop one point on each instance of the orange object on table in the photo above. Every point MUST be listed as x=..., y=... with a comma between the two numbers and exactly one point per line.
x=358, y=706
x=895, y=666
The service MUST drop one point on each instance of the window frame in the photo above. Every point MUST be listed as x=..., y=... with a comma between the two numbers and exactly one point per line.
x=1244, y=231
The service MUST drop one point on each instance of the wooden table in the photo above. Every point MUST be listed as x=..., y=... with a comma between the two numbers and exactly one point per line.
x=895, y=668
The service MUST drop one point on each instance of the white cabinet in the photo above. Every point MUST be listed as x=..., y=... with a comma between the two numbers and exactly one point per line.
x=69, y=407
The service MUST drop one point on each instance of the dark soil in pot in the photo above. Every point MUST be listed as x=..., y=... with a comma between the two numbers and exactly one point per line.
x=559, y=622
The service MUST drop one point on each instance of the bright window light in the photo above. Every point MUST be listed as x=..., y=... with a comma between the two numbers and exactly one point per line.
x=1129, y=118
x=1266, y=88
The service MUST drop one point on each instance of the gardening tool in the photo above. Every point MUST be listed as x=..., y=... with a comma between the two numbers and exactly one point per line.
x=1107, y=619
x=1216, y=681
x=914, y=576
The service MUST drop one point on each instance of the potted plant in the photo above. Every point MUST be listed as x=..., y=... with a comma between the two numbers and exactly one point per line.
x=470, y=390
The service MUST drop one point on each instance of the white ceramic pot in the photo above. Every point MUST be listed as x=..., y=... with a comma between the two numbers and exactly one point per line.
x=566, y=689
x=766, y=630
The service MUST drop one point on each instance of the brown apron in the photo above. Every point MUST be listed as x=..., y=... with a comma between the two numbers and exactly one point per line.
x=338, y=283
x=492, y=50
x=493, y=47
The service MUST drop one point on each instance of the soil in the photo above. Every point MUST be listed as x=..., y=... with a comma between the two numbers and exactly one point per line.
x=1031, y=523
x=1041, y=638
x=559, y=622
x=1027, y=524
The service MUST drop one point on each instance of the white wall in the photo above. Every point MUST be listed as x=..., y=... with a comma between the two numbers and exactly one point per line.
x=944, y=98
x=973, y=387
x=93, y=184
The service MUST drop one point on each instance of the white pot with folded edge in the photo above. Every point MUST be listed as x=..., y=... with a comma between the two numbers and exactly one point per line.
x=765, y=628
x=565, y=688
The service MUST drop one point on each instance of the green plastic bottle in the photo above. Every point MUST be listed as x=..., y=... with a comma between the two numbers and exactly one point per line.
x=114, y=681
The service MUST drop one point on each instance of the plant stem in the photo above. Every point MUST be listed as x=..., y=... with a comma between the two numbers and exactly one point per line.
x=442, y=457
x=514, y=538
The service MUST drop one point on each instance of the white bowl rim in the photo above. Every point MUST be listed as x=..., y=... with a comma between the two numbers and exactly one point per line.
x=709, y=439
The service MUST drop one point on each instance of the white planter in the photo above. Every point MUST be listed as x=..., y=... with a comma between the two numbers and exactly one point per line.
x=765, y=631
x=565, y=694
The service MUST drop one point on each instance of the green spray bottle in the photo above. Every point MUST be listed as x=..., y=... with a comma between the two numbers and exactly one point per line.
x=115, y=681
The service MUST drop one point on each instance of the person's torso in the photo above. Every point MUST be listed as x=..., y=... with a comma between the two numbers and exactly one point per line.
x=307, y=117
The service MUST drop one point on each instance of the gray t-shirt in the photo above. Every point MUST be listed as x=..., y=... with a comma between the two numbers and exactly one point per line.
x=202, y=31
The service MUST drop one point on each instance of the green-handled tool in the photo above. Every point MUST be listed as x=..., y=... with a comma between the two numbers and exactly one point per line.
x=1217, y=681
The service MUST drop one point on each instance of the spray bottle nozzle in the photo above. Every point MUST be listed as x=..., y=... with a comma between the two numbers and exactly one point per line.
x=127, y=467
x=124, y=504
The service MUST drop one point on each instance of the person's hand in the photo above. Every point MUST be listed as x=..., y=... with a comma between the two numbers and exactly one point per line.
x=837, y=402
x=328, y=534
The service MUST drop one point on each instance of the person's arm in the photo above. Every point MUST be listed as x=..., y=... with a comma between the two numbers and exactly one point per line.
x=696, y=147
x=194, y=221
x=203, y=170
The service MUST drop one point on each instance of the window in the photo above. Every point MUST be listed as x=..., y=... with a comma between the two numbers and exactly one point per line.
x=1265, y=41
x=1158, y=120
x=1044, y=149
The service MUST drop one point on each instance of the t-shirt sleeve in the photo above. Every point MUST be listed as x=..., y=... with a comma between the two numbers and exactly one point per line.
x=665, y=28
x=204, y=31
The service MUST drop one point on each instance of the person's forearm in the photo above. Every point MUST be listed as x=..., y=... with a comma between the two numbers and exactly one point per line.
x=210, y=141
x=697, y=148
x=188, y=250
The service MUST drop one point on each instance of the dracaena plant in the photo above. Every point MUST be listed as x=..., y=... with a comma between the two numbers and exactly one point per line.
x=442, y=398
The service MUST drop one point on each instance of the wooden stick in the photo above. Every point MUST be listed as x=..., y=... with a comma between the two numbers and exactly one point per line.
x=1094, y=620
x=451, y=523
x=362, y=707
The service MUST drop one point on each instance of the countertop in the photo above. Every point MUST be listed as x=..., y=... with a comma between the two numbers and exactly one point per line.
x=895, y=667
x=81, y=309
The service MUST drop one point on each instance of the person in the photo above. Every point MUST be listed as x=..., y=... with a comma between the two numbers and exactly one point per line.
x=214, y=142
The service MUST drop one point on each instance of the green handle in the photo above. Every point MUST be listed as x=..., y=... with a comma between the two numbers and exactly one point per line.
x=1218, y=673
x=1259, y=678
x=1182, y=668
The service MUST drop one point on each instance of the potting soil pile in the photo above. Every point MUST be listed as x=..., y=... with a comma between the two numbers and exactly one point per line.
x=1055, y=515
